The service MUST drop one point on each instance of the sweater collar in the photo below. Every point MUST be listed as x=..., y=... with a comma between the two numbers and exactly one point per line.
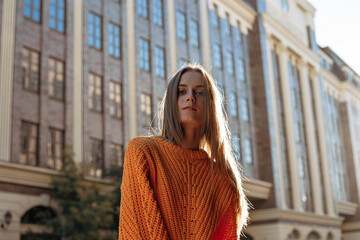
x=184, y=152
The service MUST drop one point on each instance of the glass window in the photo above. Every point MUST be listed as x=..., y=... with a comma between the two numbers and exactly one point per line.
x=244, y=109
x=229, y=63
x=95, y=92
x=96, y=160
x=144, y=54
x=116, y=155
x=284, y=5
x=114, y=40
x=237, y=33
x=217, y=55
x=32, y=10
x=55, y=149
x=29, y=144
x=145, y=107
x=56, y=79
x=214, y=17
x=180, y=25
x=142, y=8
x=159, y=62
x=30, y=70
x=227, y=25
x=181, y=62
x=247, y=151
x=158, y=12
x=194, y=35
x=115, y=99
x=241, y=69
x=57, y=15
x=236, y=146
x=94, y=31
x=233, y=104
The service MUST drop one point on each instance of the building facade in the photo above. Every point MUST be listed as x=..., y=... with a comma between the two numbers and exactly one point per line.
x=89, y=75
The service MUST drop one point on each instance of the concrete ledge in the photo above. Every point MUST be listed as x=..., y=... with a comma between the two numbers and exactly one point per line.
x=257, y=189
x=274, y=214
x=347, y=208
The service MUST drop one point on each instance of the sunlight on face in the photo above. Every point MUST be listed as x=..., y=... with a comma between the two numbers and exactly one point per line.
x=191, y=99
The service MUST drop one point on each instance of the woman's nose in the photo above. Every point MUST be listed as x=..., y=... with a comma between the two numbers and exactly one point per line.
x=190, y=98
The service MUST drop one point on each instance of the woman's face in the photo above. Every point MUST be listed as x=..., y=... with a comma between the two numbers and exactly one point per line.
x=191, y=99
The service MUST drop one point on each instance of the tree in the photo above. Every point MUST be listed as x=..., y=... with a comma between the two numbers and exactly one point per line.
x=85, y=213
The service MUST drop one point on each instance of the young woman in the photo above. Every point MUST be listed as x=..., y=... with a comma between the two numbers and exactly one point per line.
x=184, y=184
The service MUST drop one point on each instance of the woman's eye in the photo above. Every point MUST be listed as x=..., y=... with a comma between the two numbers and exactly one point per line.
x=181, y=92
x=199, y=93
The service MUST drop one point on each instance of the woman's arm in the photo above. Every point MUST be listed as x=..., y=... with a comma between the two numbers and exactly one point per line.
x=140, y=217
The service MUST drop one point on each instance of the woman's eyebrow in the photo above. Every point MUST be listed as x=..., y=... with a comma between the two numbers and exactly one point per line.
x=197, y=86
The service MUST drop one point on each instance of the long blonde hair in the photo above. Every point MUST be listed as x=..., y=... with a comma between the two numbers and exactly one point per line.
x=216, y=137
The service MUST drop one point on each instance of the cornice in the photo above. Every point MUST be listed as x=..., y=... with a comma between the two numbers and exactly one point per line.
x=275, y=29
x=257, y=189
x=275, y=214
x=347, y=208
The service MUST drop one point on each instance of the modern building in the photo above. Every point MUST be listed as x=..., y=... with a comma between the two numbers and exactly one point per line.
x=89, y=75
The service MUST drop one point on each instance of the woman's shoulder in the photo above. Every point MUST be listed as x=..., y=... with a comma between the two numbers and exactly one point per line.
x=144, y=143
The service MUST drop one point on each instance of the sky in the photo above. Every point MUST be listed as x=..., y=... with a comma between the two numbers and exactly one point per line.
x=337, y=25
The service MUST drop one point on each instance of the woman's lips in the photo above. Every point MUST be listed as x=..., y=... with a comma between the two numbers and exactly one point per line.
x=189, y=108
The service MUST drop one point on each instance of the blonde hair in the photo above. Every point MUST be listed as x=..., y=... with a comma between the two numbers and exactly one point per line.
x=216, y=137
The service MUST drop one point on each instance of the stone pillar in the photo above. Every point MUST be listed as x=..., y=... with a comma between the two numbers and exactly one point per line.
x=172, y=35
x=205, y=35
x=6, y=75
x=323, y=145
x=310, y=139
x=280, y=195
x=290, y=132
x=131, y=65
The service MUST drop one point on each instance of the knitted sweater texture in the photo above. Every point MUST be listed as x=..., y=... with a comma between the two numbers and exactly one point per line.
x=169, y=192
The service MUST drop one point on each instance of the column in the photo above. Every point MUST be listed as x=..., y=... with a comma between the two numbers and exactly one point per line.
x=280, y=188
x=172, y=35
x=290, y=132
x=78, y=82
x=131, y=64
x=205, y=34
x=323, y=145
x=6, y=75
x=310, y=139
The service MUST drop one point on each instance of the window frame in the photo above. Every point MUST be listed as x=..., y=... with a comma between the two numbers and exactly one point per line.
x=144, y=54
x=100, y=39
x=181, y=25
x=30, y=66
x=160, y=69
x=93, y=164
x=31, y=17
x=113, y=36
x=28, y=136
x=52, y=145
x=93, y=98
x=56, y=17
x=118, y=106
x=55, y=80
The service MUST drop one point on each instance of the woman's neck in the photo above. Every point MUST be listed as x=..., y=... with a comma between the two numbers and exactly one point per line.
x=191, y=138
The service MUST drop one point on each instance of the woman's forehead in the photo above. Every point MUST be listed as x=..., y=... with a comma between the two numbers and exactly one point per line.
x=193, y=78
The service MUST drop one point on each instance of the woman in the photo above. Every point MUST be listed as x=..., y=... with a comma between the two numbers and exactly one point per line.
x=184, y=184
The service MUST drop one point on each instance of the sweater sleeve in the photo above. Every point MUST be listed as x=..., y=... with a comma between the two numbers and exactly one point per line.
x=140, y=217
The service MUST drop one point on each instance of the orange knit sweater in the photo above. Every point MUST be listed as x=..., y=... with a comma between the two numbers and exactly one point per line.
x=166, y=193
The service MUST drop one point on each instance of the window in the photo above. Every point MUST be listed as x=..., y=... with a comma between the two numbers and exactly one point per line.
x=30, y=70
x=229, y=63
x=142, y=8
x=237, y=33
x=159, y=62
x=247, y=151
x=194, y=35
x=94, y=31
x=157, y=12
x=56, y=79
x=284, y=5
x=244, y=109
x=181, y=62
x=214, y=17
x=146, y=107
x=57, y=15
x=227, y=25
x=180, y=25
x=55, y=149
x=96, y=160
x=29, y=143
x=241, y=74
x=115, y=99
x=232, y=104
x=312, y=40
x=116, y=155
x=217, y=55
x=32, y=10
x=114, y=40
x=236, y=146
x=95, y=92
x=144, y=54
